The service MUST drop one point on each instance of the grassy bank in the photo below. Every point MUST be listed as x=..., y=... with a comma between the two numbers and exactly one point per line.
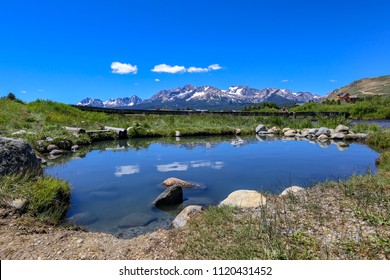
x=46, y=198
x=333, y=220
x=371, y=107
x=42, y=119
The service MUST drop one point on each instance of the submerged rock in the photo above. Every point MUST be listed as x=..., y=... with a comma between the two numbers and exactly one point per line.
x=135, y=220
x=85, y=218
x=185, y=214
x=244, y=199
x=171, y=196
x=17, y=156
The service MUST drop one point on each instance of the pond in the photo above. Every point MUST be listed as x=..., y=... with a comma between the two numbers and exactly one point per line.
x=115, y=183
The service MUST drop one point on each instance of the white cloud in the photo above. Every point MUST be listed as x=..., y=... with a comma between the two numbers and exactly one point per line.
x=284, y=81
x=23, y=91
x=214, y=67
x=164, y=68
x=123, y=68
x=197, y=70
x=333, y=81
x=175, y=166
x=126, y=170
x=40, y=90
x=156, y=80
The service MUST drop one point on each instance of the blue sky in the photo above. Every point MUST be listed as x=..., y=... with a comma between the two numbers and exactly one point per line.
x=69, y=50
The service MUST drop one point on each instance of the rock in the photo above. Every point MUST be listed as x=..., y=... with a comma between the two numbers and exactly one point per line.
x=244, y=199
x=237, y=132
x=342, y=128
x=261, y=128
x=17, y=156
x=290, y=133
x=357, y=136
x=177, y=133
x=136, y=219
x=49, y=139
x=74, y=148
x=323, y=130
x=313, y=130
x=170, y=182
x=85, y=219
x=19, y=205
x=303, y=134
x=291, y=190
x=286, y=129
x=19, y=132
x=171, y=196
x=185, y=214
x=56, y=152
x=274, y=130
x=337, y=135
x=323, y=138
x=52, y=147
x=40, y=146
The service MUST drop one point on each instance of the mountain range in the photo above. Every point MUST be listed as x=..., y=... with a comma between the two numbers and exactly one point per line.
x=206, y=97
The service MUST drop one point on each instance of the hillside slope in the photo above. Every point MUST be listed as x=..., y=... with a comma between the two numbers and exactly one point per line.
x=363, y=87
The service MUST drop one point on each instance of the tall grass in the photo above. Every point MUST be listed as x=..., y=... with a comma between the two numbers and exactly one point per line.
x=48, y=198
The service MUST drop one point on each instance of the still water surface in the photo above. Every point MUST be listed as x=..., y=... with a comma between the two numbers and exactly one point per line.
x=114, y=184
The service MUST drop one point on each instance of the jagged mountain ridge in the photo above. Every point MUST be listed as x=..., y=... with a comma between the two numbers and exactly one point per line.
x=206, y=97
x=112, y=102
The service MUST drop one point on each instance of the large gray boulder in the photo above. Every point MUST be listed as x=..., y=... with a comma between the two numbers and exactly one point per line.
x=17, y=156
x=323, y=130
x=261, y=128
x=171, y=196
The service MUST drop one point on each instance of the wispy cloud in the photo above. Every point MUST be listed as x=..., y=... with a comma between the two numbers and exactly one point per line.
x=123, y=68
x=165, y=68
x=156, y=80
x=126, y=170
x=40, y=90
x=215, y=67
x=23, y=91
x=333, y=81
x=197, y=70
x=284, y=81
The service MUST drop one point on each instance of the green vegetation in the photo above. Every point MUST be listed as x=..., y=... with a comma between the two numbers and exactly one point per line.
x=47, y=198
x=334, y=220
x=344, y=219
x=366, y=87
x=368, y=107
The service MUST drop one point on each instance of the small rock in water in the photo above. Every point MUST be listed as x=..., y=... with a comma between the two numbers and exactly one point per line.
x=171, y=196
x=170, y=182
